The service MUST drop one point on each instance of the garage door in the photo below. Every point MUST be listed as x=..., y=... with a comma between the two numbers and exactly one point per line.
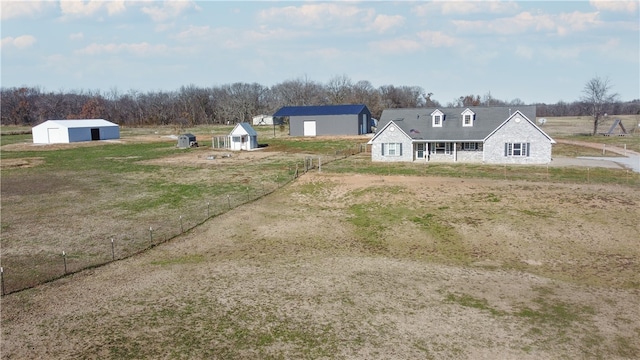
x=309, y=128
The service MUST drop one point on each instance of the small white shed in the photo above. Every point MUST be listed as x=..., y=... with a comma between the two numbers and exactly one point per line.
x=68, y=131
x=243, y=137
x=263, y=120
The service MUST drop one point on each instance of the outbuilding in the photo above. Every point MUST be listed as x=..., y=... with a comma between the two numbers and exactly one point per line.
x=326, y=120
x=259, y=120
x=68, y=131
x=243, y=137
x=187, y=141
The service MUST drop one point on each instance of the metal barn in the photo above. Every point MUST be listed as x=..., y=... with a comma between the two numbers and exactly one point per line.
x=68, y=131
x=327, y=120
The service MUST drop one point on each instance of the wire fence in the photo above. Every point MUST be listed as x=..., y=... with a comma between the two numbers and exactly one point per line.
x=46, y=266
x=21, y=272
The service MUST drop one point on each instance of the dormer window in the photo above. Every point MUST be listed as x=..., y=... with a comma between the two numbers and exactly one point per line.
x=468, y=117
x=437, y=117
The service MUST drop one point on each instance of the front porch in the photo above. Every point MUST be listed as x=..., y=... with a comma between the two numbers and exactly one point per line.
x=447, y=151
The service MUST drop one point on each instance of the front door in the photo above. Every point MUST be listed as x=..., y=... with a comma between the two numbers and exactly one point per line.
x=420, y=150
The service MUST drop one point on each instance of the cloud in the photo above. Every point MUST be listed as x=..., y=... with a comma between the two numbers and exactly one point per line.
x=203, y=37
x=562, y=24
x=137, y=49
x=469, y=7
x=16, y=9
x=617, y=6
x=323, y=15
x=383, y=23
x=436, y=39
x=194, y=33
x=169, y=10
x=20, y=42
x=80, y=8
x=396, y=46
x=465, y=7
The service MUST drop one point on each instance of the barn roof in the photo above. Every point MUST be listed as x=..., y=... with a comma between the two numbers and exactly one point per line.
x=321, y=110
x=81, y=123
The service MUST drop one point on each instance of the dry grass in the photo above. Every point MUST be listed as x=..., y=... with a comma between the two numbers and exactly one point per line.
x=459, y=269
x=329, y=266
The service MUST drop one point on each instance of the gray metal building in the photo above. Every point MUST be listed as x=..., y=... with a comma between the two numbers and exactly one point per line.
x=326, y=120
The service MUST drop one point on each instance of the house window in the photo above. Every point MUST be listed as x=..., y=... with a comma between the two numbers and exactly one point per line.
x=470, y=146
x=437, y=118
x=467, y=117
x=392, y=149
x=236, y=139
x=517, y=149
x=441, y=148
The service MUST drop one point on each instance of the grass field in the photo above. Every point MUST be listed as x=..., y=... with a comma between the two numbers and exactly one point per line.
x=361, y=260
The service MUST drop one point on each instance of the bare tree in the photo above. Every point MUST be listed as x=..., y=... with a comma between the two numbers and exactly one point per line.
x=339, y=90
x=598, y=98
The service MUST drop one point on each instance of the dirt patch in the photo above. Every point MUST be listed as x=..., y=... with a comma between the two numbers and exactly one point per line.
x=213, y=157
x=21, y=162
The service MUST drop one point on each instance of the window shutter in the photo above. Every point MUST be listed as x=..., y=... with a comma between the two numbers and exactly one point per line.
x=506, y=149
x=528, y=147
x=400, y=149
x=382, y=147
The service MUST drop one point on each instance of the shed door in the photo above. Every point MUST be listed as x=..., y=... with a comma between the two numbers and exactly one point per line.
x=310, y=128
x=95, y=134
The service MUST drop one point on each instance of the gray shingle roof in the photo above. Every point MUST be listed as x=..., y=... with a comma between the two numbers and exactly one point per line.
x=416, y=122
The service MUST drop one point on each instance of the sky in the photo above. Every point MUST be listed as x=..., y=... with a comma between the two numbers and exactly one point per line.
x=535, y=51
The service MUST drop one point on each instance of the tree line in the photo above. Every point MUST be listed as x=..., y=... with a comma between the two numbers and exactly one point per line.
x=239, y=102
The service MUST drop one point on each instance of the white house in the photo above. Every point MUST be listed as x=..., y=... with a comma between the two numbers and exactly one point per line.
x=243, y=137
x=492, y=135
x=262, y=120
x=67, y=131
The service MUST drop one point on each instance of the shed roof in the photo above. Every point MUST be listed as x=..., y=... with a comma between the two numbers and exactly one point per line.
x=248, y=129
x=321, y=110
x=81, y=123
x=416, y=122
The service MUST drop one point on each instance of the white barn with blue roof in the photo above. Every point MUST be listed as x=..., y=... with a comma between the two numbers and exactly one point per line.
x=68, y=131
x=326, y=120
x=492, y=135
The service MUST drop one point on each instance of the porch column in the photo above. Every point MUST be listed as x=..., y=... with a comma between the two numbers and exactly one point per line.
x=455, y=152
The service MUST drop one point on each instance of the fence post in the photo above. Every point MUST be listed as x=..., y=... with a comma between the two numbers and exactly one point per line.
x=181, y=227
x=113, y=250
x=229, y=200
x=151, y=234
x=2, y=279
x=208, y=210
x=64, y=258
